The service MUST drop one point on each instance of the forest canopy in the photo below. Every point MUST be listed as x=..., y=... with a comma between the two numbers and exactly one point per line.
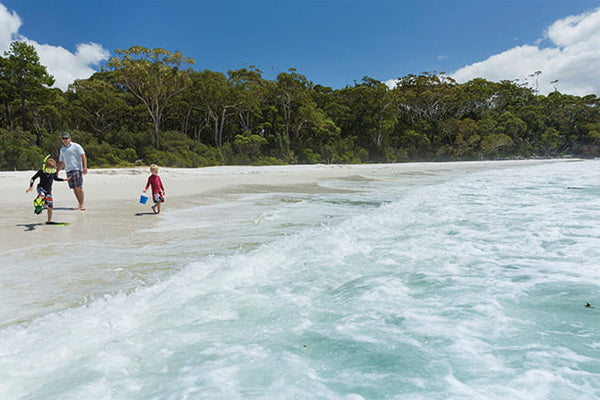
x=150, y=106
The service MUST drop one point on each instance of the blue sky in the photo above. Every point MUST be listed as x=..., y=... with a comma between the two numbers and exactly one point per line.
x=331, y=42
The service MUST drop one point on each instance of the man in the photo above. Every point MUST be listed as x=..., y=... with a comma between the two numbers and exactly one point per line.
x=72, y=159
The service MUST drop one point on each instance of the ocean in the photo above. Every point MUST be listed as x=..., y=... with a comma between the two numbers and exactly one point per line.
x=450, y=285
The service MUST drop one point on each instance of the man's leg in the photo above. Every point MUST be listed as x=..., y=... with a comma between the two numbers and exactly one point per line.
x=80, y=197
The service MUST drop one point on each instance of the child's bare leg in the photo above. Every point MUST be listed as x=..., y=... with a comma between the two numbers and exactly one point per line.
x=49, y=214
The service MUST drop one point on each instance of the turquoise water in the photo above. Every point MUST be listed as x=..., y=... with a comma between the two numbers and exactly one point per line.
x=448, y=286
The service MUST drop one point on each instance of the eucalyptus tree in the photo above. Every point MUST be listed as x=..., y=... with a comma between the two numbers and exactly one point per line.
x=493, y=139
x=428, y=96
x=532, y=140
x=479, y=97
x=214, y=95
x=252, y=93
x=372, y=117
x=512, y=96
x=48, y=113
x=95, y=105
x=515, y=128
x=5, y=95
x=300, y=116
x=461, y=138
x=24, y=78
x=571, y=116
x=154, y=77
x=424, y=101
x=332, y=145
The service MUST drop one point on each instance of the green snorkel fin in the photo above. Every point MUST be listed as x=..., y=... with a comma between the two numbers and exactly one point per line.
x=38, y=205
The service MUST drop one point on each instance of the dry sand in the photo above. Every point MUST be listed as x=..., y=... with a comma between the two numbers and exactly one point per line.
x=112, y=195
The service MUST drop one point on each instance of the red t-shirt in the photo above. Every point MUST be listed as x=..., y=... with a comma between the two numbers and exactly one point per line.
x=156, y=183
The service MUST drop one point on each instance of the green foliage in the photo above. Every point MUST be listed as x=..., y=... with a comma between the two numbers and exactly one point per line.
x=106, y=156
x=266, y=160
x=146, y=108
x=248, y=144
x=24, y=83
x=18, y=151
x=153, y=77
x=181, y=151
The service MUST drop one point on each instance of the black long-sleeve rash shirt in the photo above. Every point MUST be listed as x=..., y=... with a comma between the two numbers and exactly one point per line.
x=46, y=180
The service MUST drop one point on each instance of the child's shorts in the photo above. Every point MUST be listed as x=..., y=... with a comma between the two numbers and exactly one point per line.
x=47, y=197
x=158, y=197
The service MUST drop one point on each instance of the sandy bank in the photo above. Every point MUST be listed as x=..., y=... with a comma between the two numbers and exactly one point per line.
x=112, y=194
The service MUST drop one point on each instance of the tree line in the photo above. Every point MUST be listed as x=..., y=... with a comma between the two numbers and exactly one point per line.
x=150, y=106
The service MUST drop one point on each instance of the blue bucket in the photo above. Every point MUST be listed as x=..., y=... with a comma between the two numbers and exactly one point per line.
x=143, y=199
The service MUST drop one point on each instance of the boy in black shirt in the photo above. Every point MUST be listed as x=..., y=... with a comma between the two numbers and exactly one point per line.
x=47, y=176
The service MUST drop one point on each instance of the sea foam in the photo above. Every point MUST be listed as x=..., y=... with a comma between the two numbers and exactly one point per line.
x=471, y=286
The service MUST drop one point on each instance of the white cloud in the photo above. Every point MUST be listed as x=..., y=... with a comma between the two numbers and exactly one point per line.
x=573, y=58
x=9, y=26
x=64, y=65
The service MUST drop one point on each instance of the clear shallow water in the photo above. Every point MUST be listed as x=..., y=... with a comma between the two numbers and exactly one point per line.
x=456, y=286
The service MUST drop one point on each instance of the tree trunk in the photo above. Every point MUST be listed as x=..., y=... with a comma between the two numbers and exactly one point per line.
x=8, y=115
x=156, y=141
x=23, y=113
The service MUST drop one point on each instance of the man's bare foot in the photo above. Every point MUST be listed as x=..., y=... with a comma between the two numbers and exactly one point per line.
x=154, y=209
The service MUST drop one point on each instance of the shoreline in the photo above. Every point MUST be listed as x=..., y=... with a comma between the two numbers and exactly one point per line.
x=112, y=194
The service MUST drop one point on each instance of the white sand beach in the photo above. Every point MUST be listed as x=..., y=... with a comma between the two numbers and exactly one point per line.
x=112, y=195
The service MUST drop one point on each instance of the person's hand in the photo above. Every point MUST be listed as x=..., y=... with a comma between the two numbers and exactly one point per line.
x=67, y=178
x=85, y=171
x=28, y=190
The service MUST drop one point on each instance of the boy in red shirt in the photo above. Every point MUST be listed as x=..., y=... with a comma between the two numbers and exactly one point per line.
x=158, y=190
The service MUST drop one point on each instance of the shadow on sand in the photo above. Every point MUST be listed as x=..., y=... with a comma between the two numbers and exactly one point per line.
x=30, y=227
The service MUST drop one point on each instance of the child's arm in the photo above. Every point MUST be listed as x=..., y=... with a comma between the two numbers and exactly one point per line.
x=33, y=178
x=56, y=178
x=147, y=184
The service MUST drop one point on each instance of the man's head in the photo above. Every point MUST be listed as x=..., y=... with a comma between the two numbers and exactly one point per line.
x=65, y=137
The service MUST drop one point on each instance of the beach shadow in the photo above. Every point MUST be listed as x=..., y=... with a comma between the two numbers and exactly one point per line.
x=29, y=227
x=144, y=213
x=66, y=208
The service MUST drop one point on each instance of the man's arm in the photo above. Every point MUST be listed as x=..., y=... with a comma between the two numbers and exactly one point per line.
x=84, y=163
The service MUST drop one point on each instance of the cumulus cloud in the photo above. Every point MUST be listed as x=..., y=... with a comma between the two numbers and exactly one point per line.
x=64, y=65
x=569, y=63
x=9, y=27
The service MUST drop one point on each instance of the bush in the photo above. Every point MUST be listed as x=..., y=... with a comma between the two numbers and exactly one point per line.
x=267, y=160
x=18, y=151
